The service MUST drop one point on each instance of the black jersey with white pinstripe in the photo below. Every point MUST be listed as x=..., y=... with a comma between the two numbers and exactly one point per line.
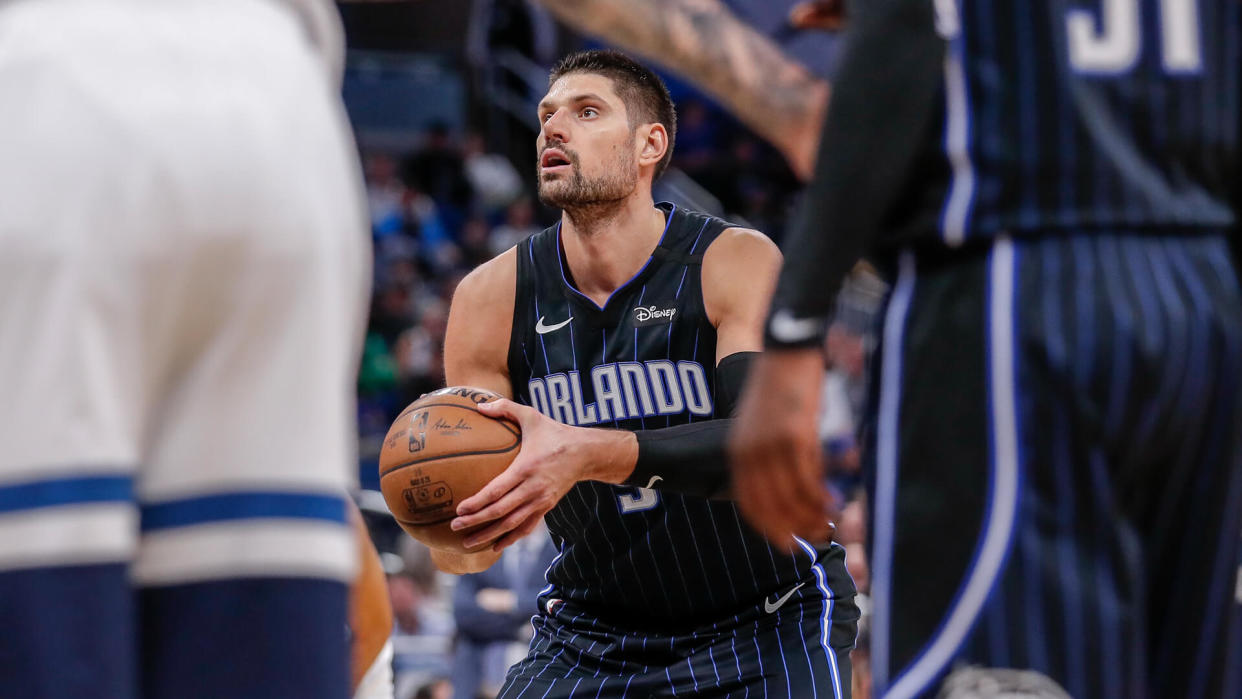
x=1063, y=116
x=645, y=360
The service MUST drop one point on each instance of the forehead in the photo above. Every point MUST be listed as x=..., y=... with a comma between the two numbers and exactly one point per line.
x=576, y=85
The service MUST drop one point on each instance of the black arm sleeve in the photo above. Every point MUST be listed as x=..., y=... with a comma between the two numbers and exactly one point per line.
x=882, y=100
x=690, y=459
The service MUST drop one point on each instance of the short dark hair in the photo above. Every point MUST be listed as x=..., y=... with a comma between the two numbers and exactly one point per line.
x=645, y=95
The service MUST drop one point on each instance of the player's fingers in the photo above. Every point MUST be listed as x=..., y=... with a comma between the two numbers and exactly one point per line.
x=503, y=407
x=491, y=493
x=769, y=519
x=785, y=506
x=523, y=529
x=808, y=502
x=784, y=513
x=818, y=14
x=501, y=527
x=805, y=509
x=761, y=489
x=490, y=506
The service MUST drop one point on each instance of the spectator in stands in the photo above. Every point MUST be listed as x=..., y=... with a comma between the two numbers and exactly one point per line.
x=423, y=630
x=698, y=139
x=495, y=181
x=519, y=225
x=861, y=661
x=386, y=195
x=492, y=611
x=438, y=169
x=438, y=688
x=475, y=242
x=418, y=352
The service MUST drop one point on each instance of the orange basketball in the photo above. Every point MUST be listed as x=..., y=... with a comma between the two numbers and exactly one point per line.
x=440, y=451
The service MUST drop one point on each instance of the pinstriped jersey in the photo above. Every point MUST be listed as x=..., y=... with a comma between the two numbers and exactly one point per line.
x=1080, y=114
x=645, y=360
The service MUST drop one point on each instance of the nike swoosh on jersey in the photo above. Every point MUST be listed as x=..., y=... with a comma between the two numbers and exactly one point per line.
x=545, y=329
x=770, y=607
x=651, y=483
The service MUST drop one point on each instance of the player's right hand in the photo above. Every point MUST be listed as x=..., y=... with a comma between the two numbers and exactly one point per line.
x=514, y=501
x=826, y=15
x=777, y=461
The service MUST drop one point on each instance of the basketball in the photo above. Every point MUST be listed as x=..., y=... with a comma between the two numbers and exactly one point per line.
x=439, y=451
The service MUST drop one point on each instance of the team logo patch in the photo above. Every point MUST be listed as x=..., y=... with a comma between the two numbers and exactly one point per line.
x=427, y=503
x=655, y=314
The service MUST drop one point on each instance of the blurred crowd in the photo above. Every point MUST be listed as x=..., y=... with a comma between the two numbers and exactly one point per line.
x=436, y=213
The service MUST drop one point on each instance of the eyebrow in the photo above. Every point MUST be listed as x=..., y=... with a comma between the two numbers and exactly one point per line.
x=584, y=97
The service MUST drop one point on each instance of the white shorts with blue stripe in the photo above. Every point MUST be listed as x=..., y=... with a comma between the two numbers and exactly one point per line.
x=183, y=273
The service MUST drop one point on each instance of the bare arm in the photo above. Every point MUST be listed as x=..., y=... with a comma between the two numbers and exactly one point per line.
x=476, y=345
x=886, y=96
x=738, y=310
x=702, y=40
x=370, y=613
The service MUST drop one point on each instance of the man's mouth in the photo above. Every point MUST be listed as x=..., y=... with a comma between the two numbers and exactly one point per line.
x=553, y=160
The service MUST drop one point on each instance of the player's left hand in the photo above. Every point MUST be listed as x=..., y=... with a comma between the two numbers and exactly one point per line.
x=777, y=461
x=544, y=470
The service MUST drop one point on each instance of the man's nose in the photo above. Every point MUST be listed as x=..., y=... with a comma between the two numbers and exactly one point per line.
x=554, y=128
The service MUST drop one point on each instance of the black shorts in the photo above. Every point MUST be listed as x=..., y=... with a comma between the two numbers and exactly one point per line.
x=798, y=650
x=1057, y=481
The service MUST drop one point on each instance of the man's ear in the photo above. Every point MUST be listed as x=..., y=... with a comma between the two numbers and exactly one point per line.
x=653, y=143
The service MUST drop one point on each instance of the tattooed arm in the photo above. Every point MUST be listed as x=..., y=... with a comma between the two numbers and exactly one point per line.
x=705, y=42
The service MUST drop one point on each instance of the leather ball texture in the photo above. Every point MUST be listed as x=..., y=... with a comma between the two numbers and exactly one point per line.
x=439, y=451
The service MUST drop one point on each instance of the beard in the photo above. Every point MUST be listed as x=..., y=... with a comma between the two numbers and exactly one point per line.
x=574, y=191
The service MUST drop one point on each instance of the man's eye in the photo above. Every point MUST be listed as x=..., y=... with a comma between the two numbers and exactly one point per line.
x=590, y=112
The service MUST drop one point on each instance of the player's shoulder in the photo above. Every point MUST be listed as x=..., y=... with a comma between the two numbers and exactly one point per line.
x=492, y=280
x=709, y=235
x=480, y=320
x=735, y=247
x=739, y=272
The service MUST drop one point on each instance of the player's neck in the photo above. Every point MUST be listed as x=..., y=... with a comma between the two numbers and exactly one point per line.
x=606, y=246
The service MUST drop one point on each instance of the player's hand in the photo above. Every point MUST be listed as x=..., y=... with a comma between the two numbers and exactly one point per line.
x=778, y=467
x=826, y=15
x=544, y=470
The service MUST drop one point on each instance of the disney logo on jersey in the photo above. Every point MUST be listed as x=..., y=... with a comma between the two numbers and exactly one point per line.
x=654, y=314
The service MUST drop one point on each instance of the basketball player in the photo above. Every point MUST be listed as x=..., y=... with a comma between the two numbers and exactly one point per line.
x=370, y=619
x=622, y=333
x=182, y=281
x=1057, y=483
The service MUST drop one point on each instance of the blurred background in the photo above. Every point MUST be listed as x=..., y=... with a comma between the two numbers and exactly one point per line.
x=442, y=96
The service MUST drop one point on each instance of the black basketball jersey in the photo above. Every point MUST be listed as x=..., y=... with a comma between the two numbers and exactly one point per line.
x=646, y=360
x=1080, y=115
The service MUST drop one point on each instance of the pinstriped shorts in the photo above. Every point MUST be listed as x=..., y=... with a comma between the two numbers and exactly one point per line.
x=795, y=644
x=1058, y=466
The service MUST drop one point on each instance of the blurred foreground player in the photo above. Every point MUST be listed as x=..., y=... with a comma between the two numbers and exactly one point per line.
x=370, y=619
x=743, y=70
x=1057, y=482
x=182, y=280
x=639, y=318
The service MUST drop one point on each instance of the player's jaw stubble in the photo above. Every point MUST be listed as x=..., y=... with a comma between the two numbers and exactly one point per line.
x=576, y=192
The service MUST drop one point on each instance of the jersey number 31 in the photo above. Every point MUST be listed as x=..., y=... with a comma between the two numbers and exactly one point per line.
x=1110, y=44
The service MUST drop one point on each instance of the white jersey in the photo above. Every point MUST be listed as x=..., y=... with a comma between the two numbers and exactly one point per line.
x=183, y=282
x=377, y=682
